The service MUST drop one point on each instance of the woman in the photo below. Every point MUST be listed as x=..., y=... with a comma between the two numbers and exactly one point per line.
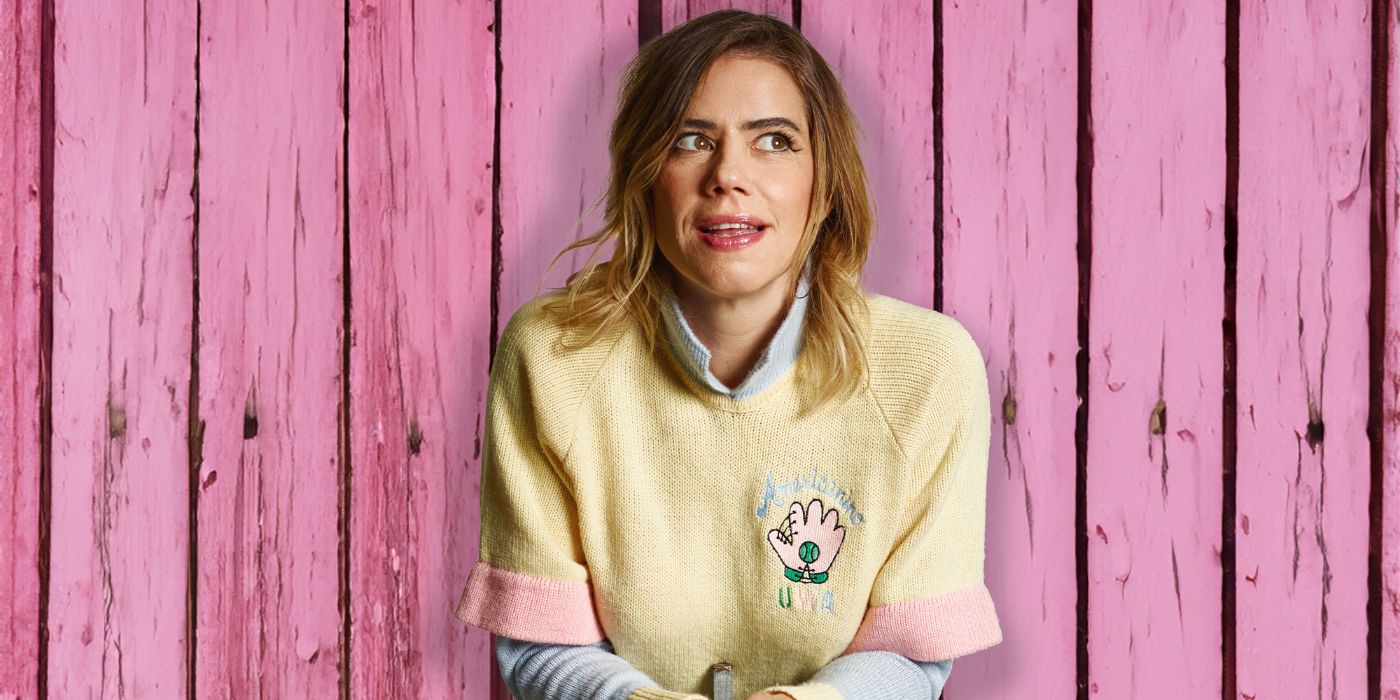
x=716, y=447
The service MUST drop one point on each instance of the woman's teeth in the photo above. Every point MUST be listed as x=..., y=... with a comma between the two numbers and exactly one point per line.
x=728, y=230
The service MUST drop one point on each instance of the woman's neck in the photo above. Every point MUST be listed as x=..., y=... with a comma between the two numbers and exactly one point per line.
x=734, y=330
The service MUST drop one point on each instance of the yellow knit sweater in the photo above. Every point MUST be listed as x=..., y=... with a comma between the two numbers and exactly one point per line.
x=621, y=499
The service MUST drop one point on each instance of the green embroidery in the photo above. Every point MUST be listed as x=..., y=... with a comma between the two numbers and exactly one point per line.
x=806, y=599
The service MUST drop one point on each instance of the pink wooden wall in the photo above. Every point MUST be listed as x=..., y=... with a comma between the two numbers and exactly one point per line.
x=254, y=258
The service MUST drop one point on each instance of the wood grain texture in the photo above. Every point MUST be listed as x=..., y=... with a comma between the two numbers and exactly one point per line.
x=203, y=222
x=421, y=128
x=555, y=111
x=675, y=12
x=556, y=108
x=883, y=55
x=1303, y=477
x=1389, y=378
x=1010, y=224
x=25, y=376
x=123, y=227
x=1153, y=482
x=270, y=323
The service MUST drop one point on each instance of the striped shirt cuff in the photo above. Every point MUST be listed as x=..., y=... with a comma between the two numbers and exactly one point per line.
x=662, y=694
x=807, y=691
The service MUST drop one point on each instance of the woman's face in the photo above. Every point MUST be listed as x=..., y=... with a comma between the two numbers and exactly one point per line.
x=743, y=157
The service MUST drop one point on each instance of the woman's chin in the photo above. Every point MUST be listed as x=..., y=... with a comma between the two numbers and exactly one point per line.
x=730, y=279
x=734, y=288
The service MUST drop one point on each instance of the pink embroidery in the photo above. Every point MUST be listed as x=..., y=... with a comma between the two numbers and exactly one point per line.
x=807, y=541
x=529, y=608
x=932, y=629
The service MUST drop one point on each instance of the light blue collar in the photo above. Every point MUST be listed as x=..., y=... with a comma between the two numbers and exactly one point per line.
x=780, y=354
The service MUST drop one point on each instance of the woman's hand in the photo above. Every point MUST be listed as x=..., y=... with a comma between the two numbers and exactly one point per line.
x=770, y=696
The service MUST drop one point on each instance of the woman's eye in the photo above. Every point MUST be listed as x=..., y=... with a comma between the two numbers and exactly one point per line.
x=781, y=140
x=693, y=142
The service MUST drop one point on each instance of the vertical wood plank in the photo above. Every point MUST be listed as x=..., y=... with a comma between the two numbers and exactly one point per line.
x=676, y=12
x=556, y=109
x=270, y=314
x=422, y=88
x=883, y=54
x=24, y=384
x=1303, y=475
x=1009, y=113
x=1389, y=372
x=123, y=278
x=1154, y=489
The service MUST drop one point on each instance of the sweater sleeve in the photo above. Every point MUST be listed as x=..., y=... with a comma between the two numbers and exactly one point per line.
x=929, y=600
x=873, y=675
x=530, y=581
x=541, y=671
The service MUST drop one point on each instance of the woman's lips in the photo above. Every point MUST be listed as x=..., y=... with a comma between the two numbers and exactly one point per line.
x=732, y=239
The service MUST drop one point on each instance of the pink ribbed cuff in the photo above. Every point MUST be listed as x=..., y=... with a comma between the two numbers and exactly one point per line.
x=529, y=608
x=932, y=629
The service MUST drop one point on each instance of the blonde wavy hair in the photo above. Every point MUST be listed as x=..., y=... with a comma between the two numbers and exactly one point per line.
x=657, y=87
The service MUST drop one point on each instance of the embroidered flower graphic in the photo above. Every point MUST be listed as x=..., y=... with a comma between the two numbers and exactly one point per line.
x=807, y=541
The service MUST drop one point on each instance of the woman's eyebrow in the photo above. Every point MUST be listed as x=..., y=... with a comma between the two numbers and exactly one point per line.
x=765, y=123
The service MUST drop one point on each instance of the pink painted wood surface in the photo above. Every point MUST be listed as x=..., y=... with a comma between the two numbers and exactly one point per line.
x=391, y=475
x=23, y=381
x=421, y=126
x=1010, y=224
x=270, y=318
x=556, y=108
x=122, y=315
x=1303, y=467
x=883, y=54
x=1153, y=482
x=1389, y=375
x=675, y=12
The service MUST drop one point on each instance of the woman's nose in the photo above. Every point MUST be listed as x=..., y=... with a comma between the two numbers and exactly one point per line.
x=731, y=168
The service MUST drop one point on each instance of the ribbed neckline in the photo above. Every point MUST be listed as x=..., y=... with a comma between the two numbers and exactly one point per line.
x=727, y=403
x=775, y=366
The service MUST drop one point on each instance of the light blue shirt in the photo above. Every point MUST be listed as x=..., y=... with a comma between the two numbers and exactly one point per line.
x=778, y=356
x=537, y=671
